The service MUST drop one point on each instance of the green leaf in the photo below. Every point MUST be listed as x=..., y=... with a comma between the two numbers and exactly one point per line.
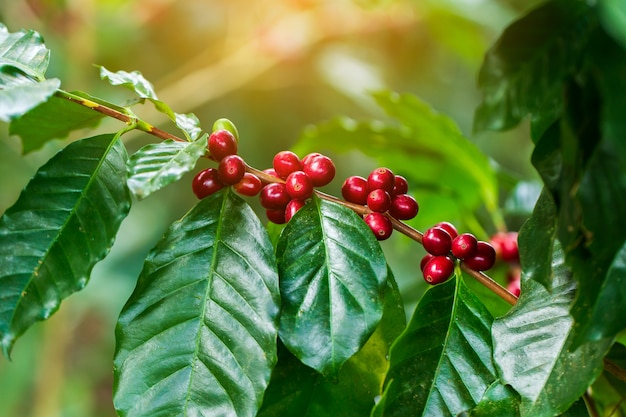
x=599, y=257
x=16, y=100
x=135, y=81
x=297, y=390
x=533, y=349
x=52, y=119
x=441, y=364
x=332, y=279
x=499, y=401
x=613, y=18
x=158, y=164
x=524, y=70
x=25, y=51
x=450, y=174
x=198, y=335
x=64, y=222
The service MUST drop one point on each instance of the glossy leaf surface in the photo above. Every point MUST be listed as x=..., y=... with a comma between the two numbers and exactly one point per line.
x=24, y=51
x=158, y=164
x=533, y=350
x=64, y=222
x=333, y=275
x=441, y=365
x=297, y=390
x=198, y=335
x=525, y=69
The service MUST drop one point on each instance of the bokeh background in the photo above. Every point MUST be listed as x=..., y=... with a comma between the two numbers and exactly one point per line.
x=271, y=67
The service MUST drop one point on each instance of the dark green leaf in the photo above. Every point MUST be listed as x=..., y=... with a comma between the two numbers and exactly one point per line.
x=297, y=390
x=18, y=99
x=158, y=164
x=449, y=173
x=525, y=69
x=599, y=258
x=198, y=335
x=52, y=119
x=536, y=242
x=332, y=279
x=441, y=365
x=62, y=224
x=533, y=349
x=25, y=51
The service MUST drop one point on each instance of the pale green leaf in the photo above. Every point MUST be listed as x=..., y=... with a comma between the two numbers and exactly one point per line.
x=158, y=164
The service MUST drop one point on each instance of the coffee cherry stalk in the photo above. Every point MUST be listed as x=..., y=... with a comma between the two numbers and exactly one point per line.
x=381, y=199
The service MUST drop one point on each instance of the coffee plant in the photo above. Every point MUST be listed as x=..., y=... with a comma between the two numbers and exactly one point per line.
x=295, y=311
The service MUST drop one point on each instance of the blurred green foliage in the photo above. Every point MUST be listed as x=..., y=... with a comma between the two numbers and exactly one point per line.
x=273, y=69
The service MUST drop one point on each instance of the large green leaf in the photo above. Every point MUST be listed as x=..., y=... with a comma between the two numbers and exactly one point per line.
x=332, y=279
x=158, y=164
x=198, y=335
x=533, y=347
x=524, y=70
x=25, y=51
x=52, y=119
x=599, y=260
x=136, y=82
x=448, y=173
x=441, y=365
x=64, y=222
x=297, y=390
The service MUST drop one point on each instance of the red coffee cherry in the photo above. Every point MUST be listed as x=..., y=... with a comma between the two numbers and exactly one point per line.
x=505, y=244
x=448, y=227
x=379, y=200
x=274, y=196
x=222, y=143
x=425, y=260
x=299, y=185
x=379, y=224
x=286, y=162
x=276, y=216
x=464, y=245
x=381, y=178
x=483, y=259
x=354, y=190
x=437, y=241
x=231, y=169
x=438, y=269
x=292, y=207
x=403, y=207
x=206, y=182
x=319, y=168
x=401, y=186
x=515, y=287
x=249, y=185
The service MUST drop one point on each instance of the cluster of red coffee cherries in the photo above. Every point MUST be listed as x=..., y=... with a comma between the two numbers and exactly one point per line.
x=382, y=192
x=281, y=199
x=445, y=245
x=507, y=250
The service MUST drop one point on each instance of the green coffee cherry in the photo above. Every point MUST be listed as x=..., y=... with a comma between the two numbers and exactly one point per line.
x=226, y=124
